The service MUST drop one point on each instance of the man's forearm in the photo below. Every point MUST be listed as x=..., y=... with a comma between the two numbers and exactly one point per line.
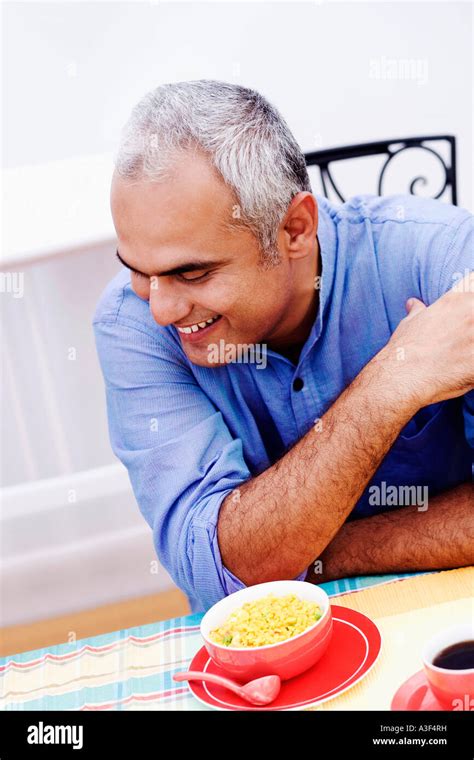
x=287, y=515
x=403, y=540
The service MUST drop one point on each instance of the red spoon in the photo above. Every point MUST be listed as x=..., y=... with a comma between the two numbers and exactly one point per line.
x=261, y=691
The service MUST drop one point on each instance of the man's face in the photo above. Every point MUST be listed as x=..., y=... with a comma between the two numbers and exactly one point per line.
x=185, y=221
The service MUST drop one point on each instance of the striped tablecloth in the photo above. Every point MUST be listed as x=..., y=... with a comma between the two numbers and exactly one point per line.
x=132, y=669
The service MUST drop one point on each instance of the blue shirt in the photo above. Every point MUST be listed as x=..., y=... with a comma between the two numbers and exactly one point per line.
x=190, y=435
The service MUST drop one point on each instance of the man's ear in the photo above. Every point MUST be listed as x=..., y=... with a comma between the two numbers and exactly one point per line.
x=300, y=225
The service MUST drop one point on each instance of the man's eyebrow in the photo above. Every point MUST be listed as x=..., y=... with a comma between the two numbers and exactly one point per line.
x=192, y=266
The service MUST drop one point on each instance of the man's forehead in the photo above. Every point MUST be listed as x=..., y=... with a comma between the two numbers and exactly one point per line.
x=190, y=177
x=169, y=205
x=188, y=205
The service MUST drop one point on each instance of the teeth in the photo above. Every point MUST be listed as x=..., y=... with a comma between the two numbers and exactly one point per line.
x=197, y=326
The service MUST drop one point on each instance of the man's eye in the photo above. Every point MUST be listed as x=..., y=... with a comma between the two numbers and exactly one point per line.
x=193, y=279
x=180, y=276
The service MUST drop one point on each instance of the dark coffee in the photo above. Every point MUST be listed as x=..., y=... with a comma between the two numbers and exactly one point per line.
x=458, y=656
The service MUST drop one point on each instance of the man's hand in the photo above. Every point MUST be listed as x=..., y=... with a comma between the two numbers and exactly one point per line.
x=434, y=345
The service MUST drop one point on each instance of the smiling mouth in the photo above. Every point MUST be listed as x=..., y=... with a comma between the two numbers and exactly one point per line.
x=198, y=325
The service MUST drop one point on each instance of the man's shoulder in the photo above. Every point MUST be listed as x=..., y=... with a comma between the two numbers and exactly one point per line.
x=118, y=304
x=401, y=209
x=415, y=242
x=112, y=297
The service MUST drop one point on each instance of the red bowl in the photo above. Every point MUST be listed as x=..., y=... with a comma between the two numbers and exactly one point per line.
x=286, y=658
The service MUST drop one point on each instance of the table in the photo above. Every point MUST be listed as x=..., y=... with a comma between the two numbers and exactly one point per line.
x=132, y=669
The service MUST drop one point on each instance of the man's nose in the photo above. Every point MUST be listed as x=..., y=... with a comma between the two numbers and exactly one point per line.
x=167, y=305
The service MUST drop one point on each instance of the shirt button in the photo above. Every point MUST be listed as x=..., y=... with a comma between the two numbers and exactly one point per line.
x=298, y=384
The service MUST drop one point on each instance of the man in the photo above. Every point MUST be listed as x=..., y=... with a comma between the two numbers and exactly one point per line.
x=348, y=439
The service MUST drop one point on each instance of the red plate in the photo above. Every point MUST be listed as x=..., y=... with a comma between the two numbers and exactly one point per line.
x=354, y=648
x=415, y=694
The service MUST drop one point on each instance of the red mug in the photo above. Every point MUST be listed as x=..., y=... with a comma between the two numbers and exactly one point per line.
x=454, y=689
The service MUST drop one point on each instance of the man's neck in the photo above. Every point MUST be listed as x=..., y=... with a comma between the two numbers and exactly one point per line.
x=293, y=344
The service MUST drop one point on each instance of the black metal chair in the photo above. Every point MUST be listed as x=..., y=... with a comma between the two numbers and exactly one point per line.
x=391, y=148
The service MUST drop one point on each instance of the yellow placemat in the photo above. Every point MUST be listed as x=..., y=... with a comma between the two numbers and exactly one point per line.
x=407, y=613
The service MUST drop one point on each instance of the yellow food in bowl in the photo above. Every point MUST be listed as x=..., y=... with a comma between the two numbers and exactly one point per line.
x=266, y=621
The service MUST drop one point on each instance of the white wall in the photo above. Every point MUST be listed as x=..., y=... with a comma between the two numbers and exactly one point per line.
x=71, y=533
x=75, y=69
x=73, y=542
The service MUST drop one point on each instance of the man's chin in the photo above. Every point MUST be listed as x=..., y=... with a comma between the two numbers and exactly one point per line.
x=222, y=353
x=202, y=357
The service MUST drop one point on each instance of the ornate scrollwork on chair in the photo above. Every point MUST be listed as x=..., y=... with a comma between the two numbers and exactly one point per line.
x=392, y=149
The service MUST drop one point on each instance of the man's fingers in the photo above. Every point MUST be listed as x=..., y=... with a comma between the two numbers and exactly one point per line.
x=414, y=306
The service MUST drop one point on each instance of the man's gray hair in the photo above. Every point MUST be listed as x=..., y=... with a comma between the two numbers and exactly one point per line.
x=244, y=137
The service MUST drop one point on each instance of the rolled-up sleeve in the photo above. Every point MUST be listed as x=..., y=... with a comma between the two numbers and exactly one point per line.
x=181, y=458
